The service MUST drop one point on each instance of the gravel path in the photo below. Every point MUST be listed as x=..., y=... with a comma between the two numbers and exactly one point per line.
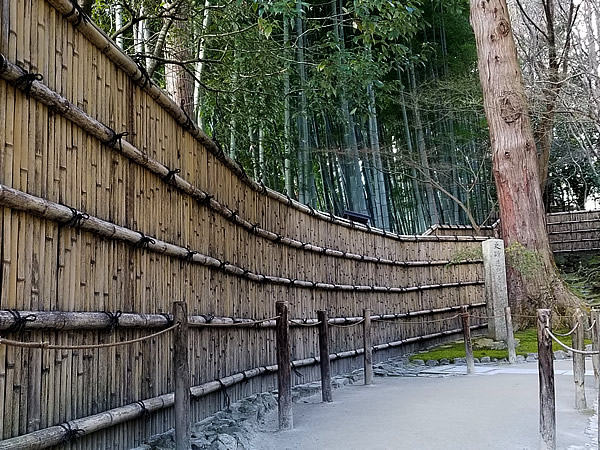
x=494, y=409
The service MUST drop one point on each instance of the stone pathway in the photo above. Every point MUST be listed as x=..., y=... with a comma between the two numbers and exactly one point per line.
x=417, y=407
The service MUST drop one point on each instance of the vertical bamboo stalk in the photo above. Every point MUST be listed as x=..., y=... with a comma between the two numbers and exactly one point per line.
x=579, y=360
x=182, y=377
x=595, y=346
x=284, y=372
x=326, y=391
x=368, y=354
x=510, y=337
x=546, y=382
x=466, y=321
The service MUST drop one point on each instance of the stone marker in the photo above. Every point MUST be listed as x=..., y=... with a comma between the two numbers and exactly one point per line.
x=495, y=287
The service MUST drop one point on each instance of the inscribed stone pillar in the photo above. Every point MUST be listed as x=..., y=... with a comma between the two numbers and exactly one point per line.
x=495, y=287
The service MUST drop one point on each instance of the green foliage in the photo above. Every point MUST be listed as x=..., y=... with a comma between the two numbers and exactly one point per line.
x=524, y=261
x=467, y=254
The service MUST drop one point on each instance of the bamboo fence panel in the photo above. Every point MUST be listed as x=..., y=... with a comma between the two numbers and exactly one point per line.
x=56, y=149
x=574, y=231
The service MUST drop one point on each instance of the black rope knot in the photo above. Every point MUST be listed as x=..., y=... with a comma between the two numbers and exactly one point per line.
x=25, y=81
x=145, y=413
x=70, y=433
x=170, y=321
x=223, y=265
x=263, y=187
x=292, y=281
x=19, y=321
x=304, y=244
x=77, y=218
x=116, y=139
x=144, y=75
x=224, y=388
x=206, y=200
x=331, y=217
x=312, y=210
x=190, y=255
x=278, y=238
x=170, y=174
x=208, y=318
x=245, y=273
x=144, y=241
x=297, y=372
x=314, y=284
x=289, y=199
x=220, y=152
x=254, y=227
x=82, y=16
x=233, y=214
x=113, y=319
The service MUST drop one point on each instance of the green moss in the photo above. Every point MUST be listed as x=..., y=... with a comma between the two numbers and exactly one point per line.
x=527, y=344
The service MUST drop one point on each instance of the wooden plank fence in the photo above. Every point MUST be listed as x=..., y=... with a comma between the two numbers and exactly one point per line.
x=102, y=231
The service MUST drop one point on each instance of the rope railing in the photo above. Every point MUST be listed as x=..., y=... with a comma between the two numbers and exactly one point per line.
x=569, y=333
x=49, y=346
x=571, y=349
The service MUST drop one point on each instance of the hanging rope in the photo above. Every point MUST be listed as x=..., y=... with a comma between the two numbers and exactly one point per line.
x=569, y=333
x=566, y=347
x=47, y=345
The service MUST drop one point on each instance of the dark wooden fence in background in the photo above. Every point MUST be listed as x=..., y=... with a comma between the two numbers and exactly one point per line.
x=97, y=222
x=574, y=231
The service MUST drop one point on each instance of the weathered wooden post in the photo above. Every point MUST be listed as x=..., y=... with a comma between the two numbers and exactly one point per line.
x=597, y=342
x=595, y=347
x=182, y=377
x=368, y=354
x=326, y=390
x=510, y=337
x=466, y=321
x=546, y=382
x=284, y=365
x=579, y=359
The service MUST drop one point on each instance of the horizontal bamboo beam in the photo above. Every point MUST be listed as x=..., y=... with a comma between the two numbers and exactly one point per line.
x=68, y=320
x=58, y=434
x=561, y=213
x=99, y=39
x=572, y=241
x=15, y=199
x=578, y=250
x=587, y=230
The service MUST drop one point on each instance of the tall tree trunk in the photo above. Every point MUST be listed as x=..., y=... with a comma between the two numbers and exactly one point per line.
x=306, y=172
x=199, y=69
x=179, y=83
x=532, y=275
x=288, y=173
x=422, y=148
x=355, y=192
x=379, y=187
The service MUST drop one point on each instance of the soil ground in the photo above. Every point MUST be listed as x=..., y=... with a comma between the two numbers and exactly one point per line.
x=496, y=408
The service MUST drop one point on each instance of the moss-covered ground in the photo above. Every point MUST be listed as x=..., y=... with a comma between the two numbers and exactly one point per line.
x=582, y=275
x=527, y=344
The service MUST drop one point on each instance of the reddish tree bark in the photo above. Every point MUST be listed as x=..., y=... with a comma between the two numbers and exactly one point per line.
x=533, y=281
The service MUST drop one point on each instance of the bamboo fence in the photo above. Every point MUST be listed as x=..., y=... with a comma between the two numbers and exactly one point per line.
x=101, y=232
x=574, y=231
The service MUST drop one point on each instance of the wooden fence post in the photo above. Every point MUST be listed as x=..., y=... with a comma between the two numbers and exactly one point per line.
x=546, y=382
x=579, y=360
x=510, y=337
x=182, y=377
x=284, y=365
x=595, y=345
x=326, y=390
x=368, y=346
x=466, y=321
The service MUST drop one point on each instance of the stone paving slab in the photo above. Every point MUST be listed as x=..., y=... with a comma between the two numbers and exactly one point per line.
x=495, y=370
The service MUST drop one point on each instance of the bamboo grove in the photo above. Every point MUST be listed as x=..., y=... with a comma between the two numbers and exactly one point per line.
x=370, y=107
